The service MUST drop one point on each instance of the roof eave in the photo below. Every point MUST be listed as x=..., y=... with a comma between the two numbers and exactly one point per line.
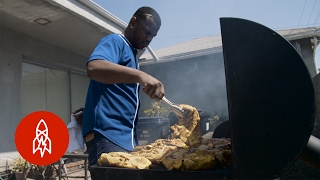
x=183, y=56
x=302, y=35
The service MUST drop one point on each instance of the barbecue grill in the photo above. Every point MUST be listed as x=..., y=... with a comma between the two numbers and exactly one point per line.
x=271, y=103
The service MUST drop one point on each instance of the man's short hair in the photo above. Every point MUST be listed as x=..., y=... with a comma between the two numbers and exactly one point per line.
x=145, y=11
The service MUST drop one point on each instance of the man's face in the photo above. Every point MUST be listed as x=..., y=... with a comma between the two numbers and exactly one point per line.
x=143, y=31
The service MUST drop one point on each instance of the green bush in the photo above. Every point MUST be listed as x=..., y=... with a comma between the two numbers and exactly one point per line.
x=157, y=109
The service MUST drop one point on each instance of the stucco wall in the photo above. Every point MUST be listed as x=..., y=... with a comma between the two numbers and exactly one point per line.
x=10, y=81
x=316, y=82
x=14, y=47
x=304, y=48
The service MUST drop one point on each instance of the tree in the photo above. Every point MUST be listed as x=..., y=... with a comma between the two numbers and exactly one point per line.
x=158, y=109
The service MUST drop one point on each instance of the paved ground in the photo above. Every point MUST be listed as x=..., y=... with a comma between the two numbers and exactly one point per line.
x=80, y=173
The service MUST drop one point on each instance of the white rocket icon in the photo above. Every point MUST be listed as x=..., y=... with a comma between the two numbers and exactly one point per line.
x=42, y=141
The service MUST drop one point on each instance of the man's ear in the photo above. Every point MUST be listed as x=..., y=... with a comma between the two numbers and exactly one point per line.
x=133, y=22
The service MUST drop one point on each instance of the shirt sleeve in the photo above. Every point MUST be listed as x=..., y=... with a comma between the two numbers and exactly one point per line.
x=107, y=49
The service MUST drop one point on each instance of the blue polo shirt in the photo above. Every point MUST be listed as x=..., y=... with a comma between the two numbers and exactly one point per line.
x=112, y=109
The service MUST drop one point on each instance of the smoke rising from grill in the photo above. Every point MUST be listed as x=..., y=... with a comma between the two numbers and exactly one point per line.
x=198, y=81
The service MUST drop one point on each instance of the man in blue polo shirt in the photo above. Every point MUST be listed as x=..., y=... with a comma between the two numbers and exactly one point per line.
x=112, y=103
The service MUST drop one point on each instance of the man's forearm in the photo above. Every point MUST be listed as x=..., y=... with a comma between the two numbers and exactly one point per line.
x=110, y=73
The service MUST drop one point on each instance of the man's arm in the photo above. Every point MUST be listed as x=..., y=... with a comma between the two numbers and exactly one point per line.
x=110, y=73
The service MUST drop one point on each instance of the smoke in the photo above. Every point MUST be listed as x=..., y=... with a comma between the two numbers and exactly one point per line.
x=199, y=82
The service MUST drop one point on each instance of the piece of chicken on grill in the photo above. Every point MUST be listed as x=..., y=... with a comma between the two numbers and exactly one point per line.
x=188, y=127
x=123, y=159
x=207, y=155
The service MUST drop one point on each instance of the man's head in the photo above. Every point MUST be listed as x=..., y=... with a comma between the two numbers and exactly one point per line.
x=143, y=26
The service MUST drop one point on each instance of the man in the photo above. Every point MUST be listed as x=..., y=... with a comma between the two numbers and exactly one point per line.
x=112, y=103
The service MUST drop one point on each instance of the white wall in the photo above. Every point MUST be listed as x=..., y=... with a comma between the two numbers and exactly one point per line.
x=14, y=47
x=305, y=48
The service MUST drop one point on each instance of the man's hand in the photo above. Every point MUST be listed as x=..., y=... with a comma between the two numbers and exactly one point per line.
x=152, y=87
x=78, y=114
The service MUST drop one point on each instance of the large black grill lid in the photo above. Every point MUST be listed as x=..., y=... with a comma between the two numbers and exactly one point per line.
x=271, y=99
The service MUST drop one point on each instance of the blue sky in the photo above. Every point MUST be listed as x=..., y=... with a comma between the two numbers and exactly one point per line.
x=184, y=20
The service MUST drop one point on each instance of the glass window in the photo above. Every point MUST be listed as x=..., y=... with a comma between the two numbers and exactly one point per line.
x=57, y=93
x=33, y=96
x=52, y=89
x=79, y=87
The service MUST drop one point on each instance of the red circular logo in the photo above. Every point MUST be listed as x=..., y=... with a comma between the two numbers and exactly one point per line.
x=42, y=138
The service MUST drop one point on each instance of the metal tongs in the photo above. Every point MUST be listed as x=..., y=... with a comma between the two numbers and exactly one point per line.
x=174, y=107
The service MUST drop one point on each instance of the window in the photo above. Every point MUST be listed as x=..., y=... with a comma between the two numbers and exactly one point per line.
x=52, y=89
x=79, y=87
